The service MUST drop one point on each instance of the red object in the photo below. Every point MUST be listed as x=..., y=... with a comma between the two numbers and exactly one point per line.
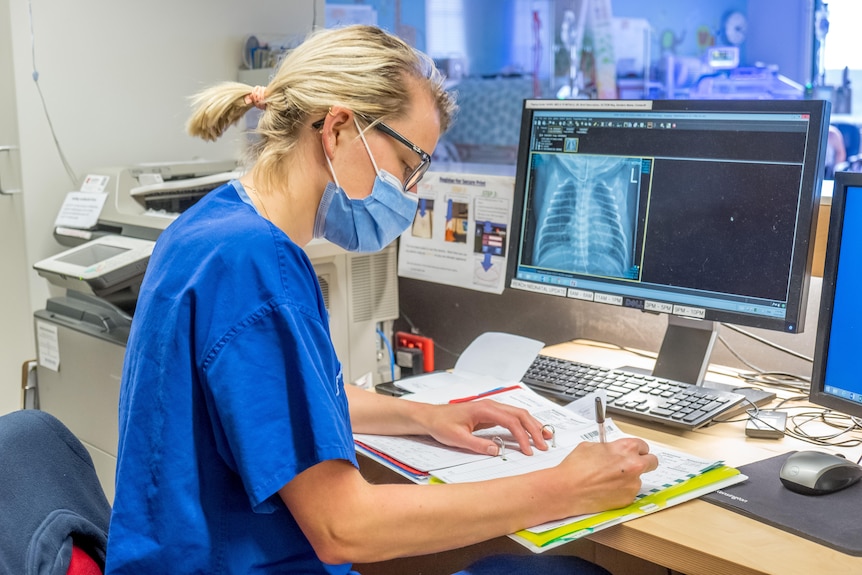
x=425, y=344
x=82, y=564
x=485, y=394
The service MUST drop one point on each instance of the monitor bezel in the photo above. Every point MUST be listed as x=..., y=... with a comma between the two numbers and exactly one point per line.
x=817, y=395
x=813, y=170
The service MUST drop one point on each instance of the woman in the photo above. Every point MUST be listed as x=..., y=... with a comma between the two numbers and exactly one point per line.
x=236, y=451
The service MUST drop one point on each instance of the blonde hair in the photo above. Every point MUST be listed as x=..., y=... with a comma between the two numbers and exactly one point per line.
x=359, y=67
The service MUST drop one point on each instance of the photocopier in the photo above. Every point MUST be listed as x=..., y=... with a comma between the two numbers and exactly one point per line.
x=81, y=336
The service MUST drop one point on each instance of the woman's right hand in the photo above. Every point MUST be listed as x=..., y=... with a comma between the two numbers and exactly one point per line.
x=602, y=476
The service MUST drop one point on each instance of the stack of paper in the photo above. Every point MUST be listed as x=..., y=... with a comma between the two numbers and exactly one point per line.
x=679, y=477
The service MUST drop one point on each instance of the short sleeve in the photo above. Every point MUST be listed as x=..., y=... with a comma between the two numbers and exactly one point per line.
x=276, y=398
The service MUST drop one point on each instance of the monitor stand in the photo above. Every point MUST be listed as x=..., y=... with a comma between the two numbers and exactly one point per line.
x=684, y=356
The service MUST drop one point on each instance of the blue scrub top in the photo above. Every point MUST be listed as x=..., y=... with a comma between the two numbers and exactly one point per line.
x=230, y=388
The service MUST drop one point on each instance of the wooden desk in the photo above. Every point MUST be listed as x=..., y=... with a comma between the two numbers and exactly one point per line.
x=692, y=538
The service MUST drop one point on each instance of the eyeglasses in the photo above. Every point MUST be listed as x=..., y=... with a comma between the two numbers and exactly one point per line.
x=425, y=158
x=424, y=164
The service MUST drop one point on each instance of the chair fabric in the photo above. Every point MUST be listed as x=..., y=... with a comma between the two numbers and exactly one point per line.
x=82, y=564
x=852, y=138
x=50, y=497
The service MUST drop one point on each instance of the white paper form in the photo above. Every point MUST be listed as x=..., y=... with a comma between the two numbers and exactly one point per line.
x=516, y=463
x=427, y=455
x=491, y=360
x=673, y=467
x=80, y=210
x=419, y=452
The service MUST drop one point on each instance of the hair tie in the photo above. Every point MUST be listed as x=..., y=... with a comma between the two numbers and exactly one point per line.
x=257, y=97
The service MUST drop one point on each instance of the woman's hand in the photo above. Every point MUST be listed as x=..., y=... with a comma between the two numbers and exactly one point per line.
x=454, y=424
x=604, y=476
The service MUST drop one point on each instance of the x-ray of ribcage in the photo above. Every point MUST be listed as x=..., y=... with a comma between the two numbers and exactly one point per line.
x=586, y=209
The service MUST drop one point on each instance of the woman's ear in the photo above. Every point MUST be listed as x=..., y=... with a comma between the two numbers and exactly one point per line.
x=338, y=128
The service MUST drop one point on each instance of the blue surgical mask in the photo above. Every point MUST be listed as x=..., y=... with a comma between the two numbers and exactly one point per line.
x=368, y=224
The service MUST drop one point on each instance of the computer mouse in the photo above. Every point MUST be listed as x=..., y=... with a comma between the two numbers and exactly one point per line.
x=818, y=473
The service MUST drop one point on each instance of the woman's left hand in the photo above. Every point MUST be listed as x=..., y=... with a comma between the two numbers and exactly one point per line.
x=454, y=424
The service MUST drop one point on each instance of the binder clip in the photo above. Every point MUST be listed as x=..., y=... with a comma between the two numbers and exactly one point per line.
x=553, y=431
x=502, y=447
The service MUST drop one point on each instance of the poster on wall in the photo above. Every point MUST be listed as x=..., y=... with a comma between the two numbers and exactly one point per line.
x=459, y=235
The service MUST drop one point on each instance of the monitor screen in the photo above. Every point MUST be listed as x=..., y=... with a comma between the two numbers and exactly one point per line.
x=702, y=210
x=835, y=381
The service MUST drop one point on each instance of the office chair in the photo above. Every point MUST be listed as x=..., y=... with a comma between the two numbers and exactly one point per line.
x=55, y=515
x=852, y=138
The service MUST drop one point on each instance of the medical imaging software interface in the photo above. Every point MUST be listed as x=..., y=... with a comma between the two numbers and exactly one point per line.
x=668, y=211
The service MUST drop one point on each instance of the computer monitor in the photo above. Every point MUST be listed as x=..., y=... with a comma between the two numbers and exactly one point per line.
x=835, y=381
x=701, y=210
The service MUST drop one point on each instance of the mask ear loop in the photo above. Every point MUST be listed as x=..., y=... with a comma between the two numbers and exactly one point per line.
x=331, y=169
x=364, y=141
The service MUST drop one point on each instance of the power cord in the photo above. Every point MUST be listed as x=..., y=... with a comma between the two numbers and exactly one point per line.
x=416, y=331
x=69, y=171
x=766, y=342
x=779, y=379
x=391, y=353
x=798, y=421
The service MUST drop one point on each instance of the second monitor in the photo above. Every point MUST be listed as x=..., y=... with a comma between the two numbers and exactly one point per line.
x=702, y=210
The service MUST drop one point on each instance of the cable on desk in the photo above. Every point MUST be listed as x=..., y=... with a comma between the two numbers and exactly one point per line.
x=843, y=423
x=766, y=342
x=736, y=354
x=760, y=376
x=781, y=379
x=796, y=423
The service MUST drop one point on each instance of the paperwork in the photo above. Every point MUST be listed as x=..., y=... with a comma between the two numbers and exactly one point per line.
x=679, y=477
x=492, y=359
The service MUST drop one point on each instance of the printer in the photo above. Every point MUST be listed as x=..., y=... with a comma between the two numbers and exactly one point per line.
x=81, y=336
x=108, y=259
x=143, y=199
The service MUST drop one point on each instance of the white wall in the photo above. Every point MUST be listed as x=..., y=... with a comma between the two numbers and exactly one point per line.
x=116, y=76
x=14, y=287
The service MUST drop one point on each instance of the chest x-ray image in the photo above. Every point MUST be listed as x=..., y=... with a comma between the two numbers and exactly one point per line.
x=586, y=211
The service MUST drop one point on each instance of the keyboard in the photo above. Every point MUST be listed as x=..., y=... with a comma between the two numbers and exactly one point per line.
x=644, y=397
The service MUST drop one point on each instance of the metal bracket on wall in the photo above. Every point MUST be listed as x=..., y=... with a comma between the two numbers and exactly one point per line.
x=10, y=177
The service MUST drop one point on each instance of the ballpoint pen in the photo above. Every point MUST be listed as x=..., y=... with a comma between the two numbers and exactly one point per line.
x=600, y=420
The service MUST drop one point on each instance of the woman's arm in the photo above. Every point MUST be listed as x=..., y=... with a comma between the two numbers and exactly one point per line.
x=346, y=519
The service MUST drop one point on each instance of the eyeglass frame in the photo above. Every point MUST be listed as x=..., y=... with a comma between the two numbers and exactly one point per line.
x=425, y=158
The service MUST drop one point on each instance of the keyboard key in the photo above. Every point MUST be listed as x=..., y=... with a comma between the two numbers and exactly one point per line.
x=680, y=404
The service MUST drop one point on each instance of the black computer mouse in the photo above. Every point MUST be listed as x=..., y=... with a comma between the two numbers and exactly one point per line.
x=818, y=473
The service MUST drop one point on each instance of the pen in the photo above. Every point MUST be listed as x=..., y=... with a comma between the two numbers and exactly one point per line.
x=485, y=394
x=600, y=420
